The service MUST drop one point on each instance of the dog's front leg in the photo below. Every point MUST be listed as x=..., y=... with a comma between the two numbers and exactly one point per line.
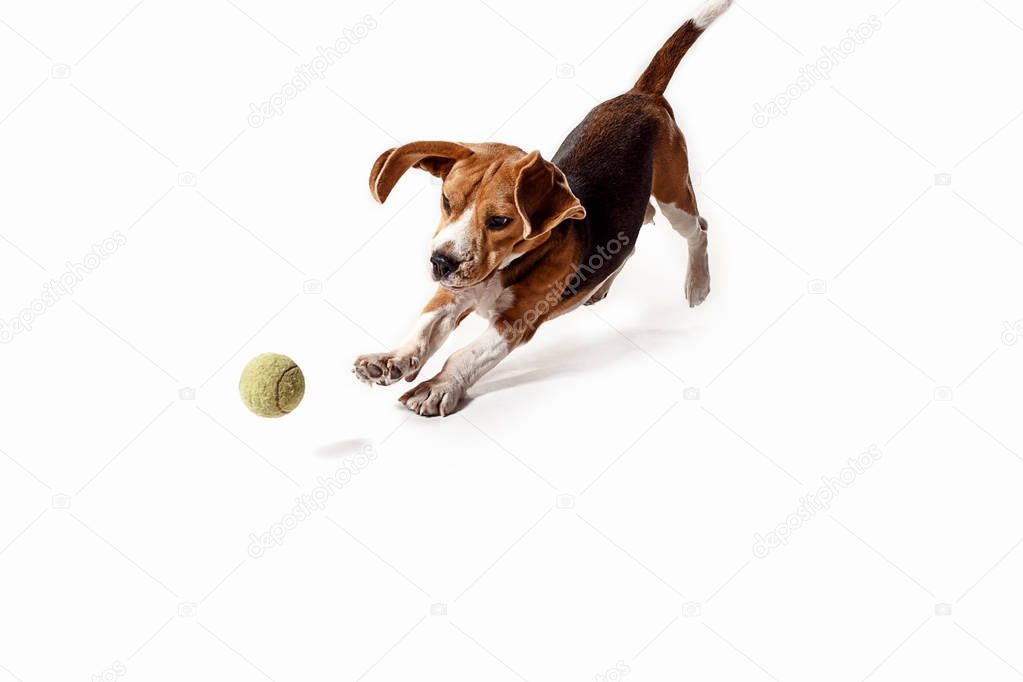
x=443, y=394
x=438, y=319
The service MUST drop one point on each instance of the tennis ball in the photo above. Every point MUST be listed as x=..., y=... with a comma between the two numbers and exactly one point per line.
x=272, y=385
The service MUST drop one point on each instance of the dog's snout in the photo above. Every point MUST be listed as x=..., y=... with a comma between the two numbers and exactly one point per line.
x=443, y=265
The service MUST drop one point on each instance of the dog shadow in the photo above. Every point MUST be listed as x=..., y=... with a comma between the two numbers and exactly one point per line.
x=549, y=363
x=343, y=448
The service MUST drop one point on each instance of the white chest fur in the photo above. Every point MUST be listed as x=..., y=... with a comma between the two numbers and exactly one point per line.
x=489, y=298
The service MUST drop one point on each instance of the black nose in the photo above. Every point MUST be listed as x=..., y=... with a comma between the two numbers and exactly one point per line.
x=443, y=265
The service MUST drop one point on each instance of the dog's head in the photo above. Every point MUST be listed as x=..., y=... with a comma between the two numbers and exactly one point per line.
x=496, y=201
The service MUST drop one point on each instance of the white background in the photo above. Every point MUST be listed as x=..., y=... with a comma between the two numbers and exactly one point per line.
x=596, y=504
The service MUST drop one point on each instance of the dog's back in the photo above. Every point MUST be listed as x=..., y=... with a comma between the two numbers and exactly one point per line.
x=628, y=150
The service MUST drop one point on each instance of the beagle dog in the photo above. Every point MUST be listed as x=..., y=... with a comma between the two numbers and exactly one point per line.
x=523, y=240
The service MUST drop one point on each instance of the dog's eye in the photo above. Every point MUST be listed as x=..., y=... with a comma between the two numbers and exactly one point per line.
x=497, y=222
x=447, y=204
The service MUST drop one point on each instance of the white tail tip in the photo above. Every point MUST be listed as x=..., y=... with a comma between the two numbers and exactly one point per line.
x=710, y=11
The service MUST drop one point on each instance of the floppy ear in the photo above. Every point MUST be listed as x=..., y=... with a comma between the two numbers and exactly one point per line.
x=543, y=196
x=436, y=158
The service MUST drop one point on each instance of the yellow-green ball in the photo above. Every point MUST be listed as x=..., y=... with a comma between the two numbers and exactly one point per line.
x=272, y=385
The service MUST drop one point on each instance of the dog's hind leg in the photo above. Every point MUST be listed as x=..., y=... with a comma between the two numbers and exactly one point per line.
x=601, y=292
x=694, y=229
x=673, y=190
x=648, y=217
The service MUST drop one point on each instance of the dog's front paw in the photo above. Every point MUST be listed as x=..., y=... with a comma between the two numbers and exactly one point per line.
x=437, y=397
x=385, y=369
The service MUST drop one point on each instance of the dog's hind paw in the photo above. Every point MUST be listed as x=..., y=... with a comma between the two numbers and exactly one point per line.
x=596, y=298
x=697, y=288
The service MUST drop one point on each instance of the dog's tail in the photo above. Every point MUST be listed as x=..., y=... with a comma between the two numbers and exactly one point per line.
x=657, y=76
